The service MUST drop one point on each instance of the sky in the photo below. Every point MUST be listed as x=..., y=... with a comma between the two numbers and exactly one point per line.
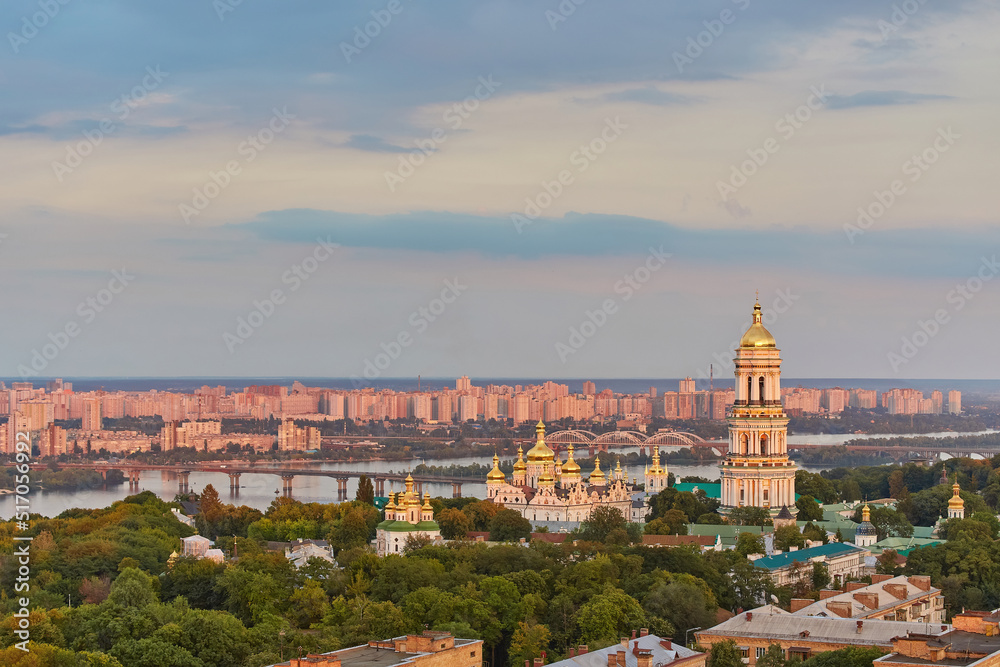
x=499, y=189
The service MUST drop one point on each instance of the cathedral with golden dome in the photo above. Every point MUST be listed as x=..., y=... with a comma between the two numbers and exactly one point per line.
x=405, y=517
x=756, y=471
x=544, y=488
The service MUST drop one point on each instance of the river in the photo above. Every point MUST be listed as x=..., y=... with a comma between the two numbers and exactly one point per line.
x=259, y=490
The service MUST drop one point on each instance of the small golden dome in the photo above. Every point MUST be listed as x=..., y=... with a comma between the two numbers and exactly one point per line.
x=757, y=335
x=391, y=505
x=956, y=502
x=519, y=464
x=496, y=475
x=540, y=453
x=596, y=477
x=427, y=503
x=571, y=467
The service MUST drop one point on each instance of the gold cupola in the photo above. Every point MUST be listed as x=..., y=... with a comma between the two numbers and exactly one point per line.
x=496, y=476
x=757, y=335
x=519, y=464
x=570, y=469
x=955, y=502
x=597, y=477
x=540, y=453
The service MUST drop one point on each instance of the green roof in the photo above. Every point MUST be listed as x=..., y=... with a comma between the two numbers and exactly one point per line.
x=398, y=526
x=804, y=555
x=711, y=489
x=427, y=525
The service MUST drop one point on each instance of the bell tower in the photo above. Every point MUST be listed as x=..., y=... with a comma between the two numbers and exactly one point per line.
x=756, y=471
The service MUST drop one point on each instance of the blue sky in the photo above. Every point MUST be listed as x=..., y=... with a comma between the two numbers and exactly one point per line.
x=537, y=161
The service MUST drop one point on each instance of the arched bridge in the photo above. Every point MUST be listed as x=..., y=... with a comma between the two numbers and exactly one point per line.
x=594, y=441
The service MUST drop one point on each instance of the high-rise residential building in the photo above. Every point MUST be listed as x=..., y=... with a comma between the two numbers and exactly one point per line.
x=589, y=388
x=293, y=438
x=91, y=414
x=937, y=398
x=686, y=386
x=685, y=406
x=670, y=404
x=955, y=402
x=466, y=408
x=463, y=383
x=757, y=471
x=834, y=400
x=443, y=409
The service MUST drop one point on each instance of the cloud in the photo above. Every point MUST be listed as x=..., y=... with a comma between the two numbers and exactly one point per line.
x=6, y=130
x=373, y=144
x=880, y=98
x=648, y=95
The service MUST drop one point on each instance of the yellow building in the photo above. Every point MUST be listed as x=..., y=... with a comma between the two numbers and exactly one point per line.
x=757, y=472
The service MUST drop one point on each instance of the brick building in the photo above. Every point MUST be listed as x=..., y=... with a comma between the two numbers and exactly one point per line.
x=429, y=649
x=889, y=598
x=802, y=637
x=646, y=650
x=973, y=641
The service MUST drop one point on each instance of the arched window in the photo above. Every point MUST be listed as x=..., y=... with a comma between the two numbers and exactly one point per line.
x=762, y=390
x=763, y=445
x=744, y=444
x=749, y=390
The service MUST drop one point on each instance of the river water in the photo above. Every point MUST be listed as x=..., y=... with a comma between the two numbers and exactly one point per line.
x=259, y=490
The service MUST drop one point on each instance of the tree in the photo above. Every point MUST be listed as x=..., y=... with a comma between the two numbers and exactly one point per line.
x=509, y=526
x=684, y=604
x=750, y=516
x=132, y=588
x=888, y=522
x=773, y=657
x=887, y=563
x=896, y=484
x=601, y=522
x=608, y=616
x=528, y=642
x=673, y=522
x=366, y=491
x=788, y=536
x=210, y=512
x=855, y=656
x=808, y=509
x=749, y=543
x=454, y=523
x=820, y=576
x=725, y=654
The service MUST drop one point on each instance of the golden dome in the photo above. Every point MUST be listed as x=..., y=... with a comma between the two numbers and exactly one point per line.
x=596, y=477
x=757, y=335
x=427, y=503
x=540, y=453
x=546, y=478
x=955, y=502
x=391, y=505
x=496, y=475
x=519, y=464
x=866, y=515
x=571, y=467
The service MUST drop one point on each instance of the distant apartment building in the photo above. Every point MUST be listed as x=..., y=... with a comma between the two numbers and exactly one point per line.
x=293, y=438
x=844, y=561
x=686, y=386
x=91, y=415
x=864, y=399
x=955, y=402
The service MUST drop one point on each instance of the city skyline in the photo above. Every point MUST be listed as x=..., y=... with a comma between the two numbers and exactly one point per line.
x=193, y=204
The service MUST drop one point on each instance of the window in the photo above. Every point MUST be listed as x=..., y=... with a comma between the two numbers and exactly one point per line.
x=745, y=651
x=761, y=650
x=472, y=654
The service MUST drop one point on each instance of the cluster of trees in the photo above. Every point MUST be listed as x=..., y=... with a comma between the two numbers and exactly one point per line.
x=727, y=654
x=131, y=607
x=855, y=420
x=53, y=479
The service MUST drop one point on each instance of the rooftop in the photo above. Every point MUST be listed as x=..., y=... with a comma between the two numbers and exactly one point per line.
x=883, y=598
x=833, y=549
x=664, y=652
x=772, y=622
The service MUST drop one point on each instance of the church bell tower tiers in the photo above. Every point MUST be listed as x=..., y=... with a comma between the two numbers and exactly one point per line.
x=757, y=472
